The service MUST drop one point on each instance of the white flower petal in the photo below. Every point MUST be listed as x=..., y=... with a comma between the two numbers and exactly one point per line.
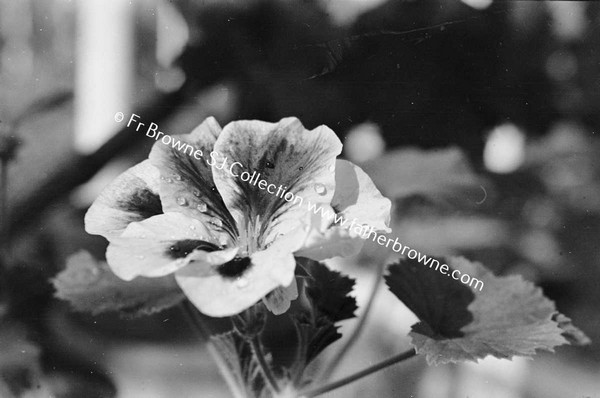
x=132, y=196
x=287, y=157
x=217, y=295
x=280, y=299
x=357, y=198
x=146, y=248
x=186, y=184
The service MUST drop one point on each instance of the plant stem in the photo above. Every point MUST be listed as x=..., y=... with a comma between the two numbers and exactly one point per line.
x=356, y=376
x=341, y=353
x=4, y=207
x=191, y=315
x=257, y=350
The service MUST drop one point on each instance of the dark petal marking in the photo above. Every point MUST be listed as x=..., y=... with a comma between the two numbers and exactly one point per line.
x=182, y=248
x=235, y=267
x=143, y=202
x=274, y=158
x=192, y=191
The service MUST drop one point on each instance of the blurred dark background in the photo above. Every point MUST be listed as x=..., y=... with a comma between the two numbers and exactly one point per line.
x=478, y=118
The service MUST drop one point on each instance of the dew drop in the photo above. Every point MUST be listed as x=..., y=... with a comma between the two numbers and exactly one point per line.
x=223, y=240
x=192, y=227
x=216, y=221
x=320, y=189
x=196, y=192
x=174, y=249
x=181, y=201
x=213, y=188
x=201, y=207
x=177, y=177
x=241, y=282
x=300, y=168
x=270, y=165
x=168, y=180
x=332, y=167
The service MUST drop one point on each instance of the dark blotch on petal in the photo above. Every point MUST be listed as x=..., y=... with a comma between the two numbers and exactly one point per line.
x=143, y=202
x=235, y=267
x=182, y=248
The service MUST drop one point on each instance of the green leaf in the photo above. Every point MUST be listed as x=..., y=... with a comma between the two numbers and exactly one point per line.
x=329, y=291
x=90, y=286
x=510, y=316
x=572, y=333
x=436, y=174
x=323, y=301
x=438, y=301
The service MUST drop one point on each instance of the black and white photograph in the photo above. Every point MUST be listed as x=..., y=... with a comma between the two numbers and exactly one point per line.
x=299, y=199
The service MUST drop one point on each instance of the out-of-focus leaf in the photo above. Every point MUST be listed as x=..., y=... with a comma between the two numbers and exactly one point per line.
x=440, y=175
x=510, y=315
x=238, y=357
x=90, y=286
x=20, y=373
x=572, y=333
x=15, y=350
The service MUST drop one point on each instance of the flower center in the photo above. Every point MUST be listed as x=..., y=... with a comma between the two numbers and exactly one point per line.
x=250, y=239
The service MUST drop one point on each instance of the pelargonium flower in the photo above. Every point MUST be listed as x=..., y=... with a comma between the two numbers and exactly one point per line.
x=230, y=243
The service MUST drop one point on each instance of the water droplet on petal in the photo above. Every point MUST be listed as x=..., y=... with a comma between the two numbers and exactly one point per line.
x=270, y=165
x=332, y=167
x=196, y=192
x=201, y=206
x=181, y=201
x=168, y=180
x=216, y=221
x=223, y=240
x=192, y=227
x=241, y=282
x=300, y=168
x=213, y=188
x=320, y=189
x=177, y=177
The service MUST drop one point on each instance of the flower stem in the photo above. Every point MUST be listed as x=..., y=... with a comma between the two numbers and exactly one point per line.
x=335, y=362
x=356, y=376
x=191, y=314
x=3, y=207
x=265, y=369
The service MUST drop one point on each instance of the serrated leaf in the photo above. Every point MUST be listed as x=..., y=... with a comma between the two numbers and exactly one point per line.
x=438, y=301
x=90, y=286
x=329, y=291
x=572, y=333
x=510, y=315
x=322, y=335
